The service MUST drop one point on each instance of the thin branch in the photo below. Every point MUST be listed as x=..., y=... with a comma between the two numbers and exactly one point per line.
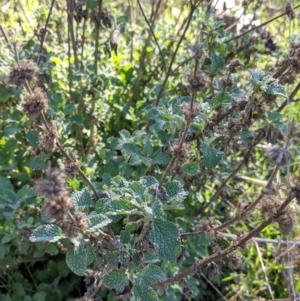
x=256, y=27
x=152, y=32
x=45, y=31
x=218, y=255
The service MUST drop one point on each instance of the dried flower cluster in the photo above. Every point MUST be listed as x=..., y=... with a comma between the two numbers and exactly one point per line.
x=207, y=228
x=181, y=154
x=35, y=102
x=54, y=190
x=234, y=260
x=72, y=228
x=21, y=72
x=198, y=82
x=233, y=65
x=71, y=166
x=190, y=113
x=48, y=139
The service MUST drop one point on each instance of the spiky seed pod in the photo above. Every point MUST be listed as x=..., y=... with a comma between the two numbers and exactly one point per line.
x=279, y=155
x=215, y=247
x=35, y=102
x=190, y=114
x=24, y=71
x=57, y=197
x=48, y=140
x=234, y=260
x=72, y=228
x=181, y=154
x=232, y=66
x=71, y=166
x=177, y=171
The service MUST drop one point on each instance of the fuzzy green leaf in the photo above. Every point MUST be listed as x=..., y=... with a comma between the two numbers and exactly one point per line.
x=38, y=162
x=138, y=189
x=149, y=275
x=217, y=64
x=175, y=191
x=81, y=199
x=191, y=169
x=90, y=254
x=141, y=293
x=166, y=240
x=131, y=149
x=257, y=77
x=150, y=258
x=220, y=99
x=147, y=149
x=157, y=209
x=5, y=184
x=149, y=181
x=49, y=233
x=116, y=279
x=98, y=221
x=77, y=261
x=211, y=156
x=274, y=89
x=161, y=158
x=125, y=237
x=114, y=208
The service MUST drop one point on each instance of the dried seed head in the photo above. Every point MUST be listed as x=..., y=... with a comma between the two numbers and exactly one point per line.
x=227, y=81
x=198, y=82
x=287, y=78
x=279, y=155
x=213, y=270
x=48, y=140
x=72, y=228
x=234, y=260
x=286, y=221
x=177, y=171
x=232, y=66
x=24, y=71
x=181, y=154
x=294, y=62
x=71, y=166
x=56, y=194
x=190, y=113
x=35, y=102
x=269, y=206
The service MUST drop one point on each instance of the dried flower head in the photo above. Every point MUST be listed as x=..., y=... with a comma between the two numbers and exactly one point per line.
x=294, y=62
x=35, y=102
x=286, y=221
x=268, y=206
x=227, y=81
x=232, y=66
x=72, y=228
x=21, y=72
x=234, y=260
x=198, y=82
x=181, y=154
x=57, y=199
x=287, y=78
x=71, y=166
x=213, y=270
x=48, y=139
x=190, y=113
x=279, y=155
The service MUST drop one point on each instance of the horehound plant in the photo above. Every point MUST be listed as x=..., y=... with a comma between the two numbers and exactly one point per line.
x=121, y=234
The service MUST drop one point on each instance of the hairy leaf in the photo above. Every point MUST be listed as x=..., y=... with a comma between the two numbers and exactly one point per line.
x=49, y=233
